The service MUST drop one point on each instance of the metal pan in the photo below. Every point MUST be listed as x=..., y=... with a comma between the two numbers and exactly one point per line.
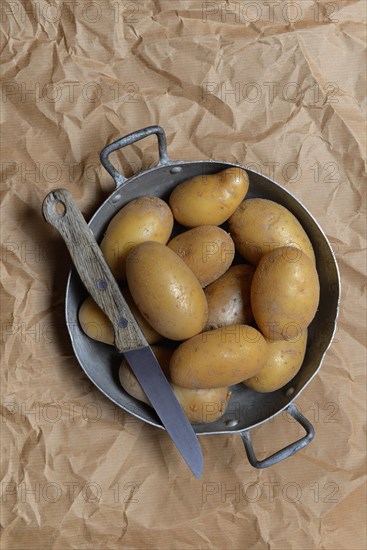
x=246, y=408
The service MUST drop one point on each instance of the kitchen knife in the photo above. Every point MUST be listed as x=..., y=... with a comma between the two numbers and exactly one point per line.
x=61, y=211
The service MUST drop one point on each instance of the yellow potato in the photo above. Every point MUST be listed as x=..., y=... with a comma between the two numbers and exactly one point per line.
x=209, y=199
x=129, y=381
x=149, y=332
x=166, y=291
x=143, y=219
x=229, y=298
x=95, y=323
x=207, y=250
x=205, y=405
x=284, y=360
x=284, y=293
x=219, y=358
x=259, y=226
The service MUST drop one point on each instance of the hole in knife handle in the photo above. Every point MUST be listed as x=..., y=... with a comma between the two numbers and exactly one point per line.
x=102, y=285
x=59, y=208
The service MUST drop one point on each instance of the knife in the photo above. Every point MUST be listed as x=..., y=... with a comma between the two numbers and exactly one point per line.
x=61, y=211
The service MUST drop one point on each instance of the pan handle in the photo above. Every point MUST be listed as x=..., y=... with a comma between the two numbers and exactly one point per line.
x=128, y=140
x=287, y=451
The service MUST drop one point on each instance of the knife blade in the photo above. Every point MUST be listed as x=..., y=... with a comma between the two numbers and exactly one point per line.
x=61, y=211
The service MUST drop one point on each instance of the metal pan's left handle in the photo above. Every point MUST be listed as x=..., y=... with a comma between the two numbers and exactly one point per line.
x=128, y=140
x=61, y=211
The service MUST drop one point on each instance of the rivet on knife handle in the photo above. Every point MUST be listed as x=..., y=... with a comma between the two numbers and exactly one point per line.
x=59, y=210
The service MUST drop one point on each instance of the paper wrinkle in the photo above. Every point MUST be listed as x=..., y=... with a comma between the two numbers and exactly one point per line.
x=77, y=472
x=345, y=112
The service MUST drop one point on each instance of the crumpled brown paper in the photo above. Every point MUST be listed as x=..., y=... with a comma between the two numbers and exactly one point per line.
x=277, y=87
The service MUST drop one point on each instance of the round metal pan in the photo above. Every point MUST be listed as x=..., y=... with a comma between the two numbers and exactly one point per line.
x=246, y=408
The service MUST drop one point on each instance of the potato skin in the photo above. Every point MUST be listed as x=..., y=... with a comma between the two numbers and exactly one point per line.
x=260, y=225
x=95, y=323
x=284, y=293
x=219, y=358
x=143, y=219
x=229, y=298
x=209, y=199
x=149, y=332
x=166, y=291
x=205, y=405
x=284, y=360
x=129, y=381
x=207, y=250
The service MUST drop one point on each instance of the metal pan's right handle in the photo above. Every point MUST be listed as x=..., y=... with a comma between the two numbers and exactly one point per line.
x=128, y=140
x=287, y=451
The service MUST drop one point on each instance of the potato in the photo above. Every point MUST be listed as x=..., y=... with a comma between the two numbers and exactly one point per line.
x=207, y=250
x=149, y=332
x=95, y=323
x=143, y=219
x=229, y=298
x=284, y=293
x=260, y=225
x=209, y=199
x=284, y=360
x=205, y=405
x=166, y=291
x=219, y=358
x=129, y=381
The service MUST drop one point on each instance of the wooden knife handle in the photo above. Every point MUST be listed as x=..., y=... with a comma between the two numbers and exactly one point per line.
x=61, y=211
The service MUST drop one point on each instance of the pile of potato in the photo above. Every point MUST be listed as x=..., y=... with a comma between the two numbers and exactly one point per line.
x=226, y=304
